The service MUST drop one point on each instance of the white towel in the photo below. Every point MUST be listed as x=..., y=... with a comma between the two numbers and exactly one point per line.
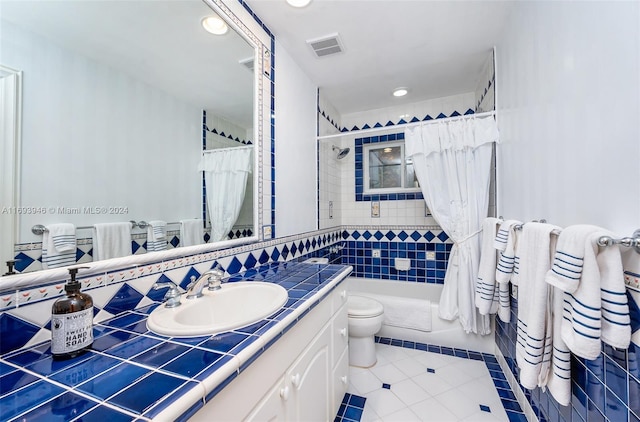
x=505, y=242
x=486, y=296
x=191, y=232
x=534, y=331
x=559, y=376
x=405, y=312
x=59, y=245
x=156, y=236
x=595, y=302
x=111, y=240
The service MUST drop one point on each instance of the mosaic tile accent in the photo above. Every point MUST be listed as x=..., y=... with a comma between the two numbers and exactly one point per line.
x=226, y=135
x=508, y=399
x=351, y=408
x=607, y=388
x=428, y=250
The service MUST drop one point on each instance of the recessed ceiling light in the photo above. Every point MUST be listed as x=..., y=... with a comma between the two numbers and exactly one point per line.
x=298, y=3
x=400, y=92
x=215, y=25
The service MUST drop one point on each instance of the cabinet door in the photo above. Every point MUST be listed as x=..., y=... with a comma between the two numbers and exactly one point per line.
x=340, y=381
x=310, y=384
x=340, y=333
x=273, y=404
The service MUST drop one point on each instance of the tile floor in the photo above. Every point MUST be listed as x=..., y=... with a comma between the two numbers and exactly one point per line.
x=407, y=384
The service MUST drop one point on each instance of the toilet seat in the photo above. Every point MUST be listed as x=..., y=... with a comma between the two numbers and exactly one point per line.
x=363, y=307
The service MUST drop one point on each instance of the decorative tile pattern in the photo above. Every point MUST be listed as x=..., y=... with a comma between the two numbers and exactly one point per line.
x=351, y=408
x=427, y=248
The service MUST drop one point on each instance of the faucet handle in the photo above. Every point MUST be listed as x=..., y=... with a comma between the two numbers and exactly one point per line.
x=172, y=296
x=215, y=280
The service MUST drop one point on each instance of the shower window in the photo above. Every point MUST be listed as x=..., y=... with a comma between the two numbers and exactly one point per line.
x=387, y=170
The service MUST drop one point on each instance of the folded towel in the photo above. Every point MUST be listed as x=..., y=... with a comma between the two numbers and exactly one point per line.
x=59, y=245
x=505, y=242
x=111, y=240
x=191, y=232
x=486, y=294
x=405, y=312
x=595, y=305
x=156, y=236
x=559, y=376
x=533, y=347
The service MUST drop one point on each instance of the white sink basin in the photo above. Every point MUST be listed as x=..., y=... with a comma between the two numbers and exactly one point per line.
x=233, y=306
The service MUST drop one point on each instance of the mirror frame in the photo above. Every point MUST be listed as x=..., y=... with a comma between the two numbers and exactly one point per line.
x=194, y=254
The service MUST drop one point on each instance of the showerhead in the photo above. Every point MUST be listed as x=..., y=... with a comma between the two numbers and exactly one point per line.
x=342, y=152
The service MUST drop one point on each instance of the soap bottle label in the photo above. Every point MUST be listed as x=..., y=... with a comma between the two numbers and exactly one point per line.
x=71, y=332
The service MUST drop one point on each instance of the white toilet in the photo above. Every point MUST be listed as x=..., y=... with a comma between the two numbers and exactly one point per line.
x=365, y=320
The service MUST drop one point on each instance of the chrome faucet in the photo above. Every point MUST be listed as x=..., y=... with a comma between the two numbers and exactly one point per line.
x=211, y=278
x=172, y=296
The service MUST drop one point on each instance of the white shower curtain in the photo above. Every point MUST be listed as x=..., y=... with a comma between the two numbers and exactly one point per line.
x=225, y=171
x=452, y=162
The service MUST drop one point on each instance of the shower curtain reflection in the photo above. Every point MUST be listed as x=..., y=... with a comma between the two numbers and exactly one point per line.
x=226, y=171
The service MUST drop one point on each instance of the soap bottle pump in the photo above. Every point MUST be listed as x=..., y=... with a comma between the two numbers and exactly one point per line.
x=71, y=321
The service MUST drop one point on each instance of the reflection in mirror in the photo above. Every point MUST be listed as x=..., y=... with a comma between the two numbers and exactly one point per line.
x=119, y=100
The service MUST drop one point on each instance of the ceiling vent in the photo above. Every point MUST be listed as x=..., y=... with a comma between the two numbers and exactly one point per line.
x=327, y=45
x=248, y=63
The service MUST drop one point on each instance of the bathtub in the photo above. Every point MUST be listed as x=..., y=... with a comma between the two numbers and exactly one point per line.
x=443, y=333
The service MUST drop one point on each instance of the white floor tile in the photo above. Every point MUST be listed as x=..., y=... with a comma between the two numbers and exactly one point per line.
x=457, y=403
x=388, y=373
x=384, y=402
x=409, y=392
x=365, y=382
x=404, y=415
x=454, y=390
x=433, y=410
x=432, y=383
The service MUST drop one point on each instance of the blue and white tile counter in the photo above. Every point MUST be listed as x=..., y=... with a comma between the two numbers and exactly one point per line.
x=134, y=374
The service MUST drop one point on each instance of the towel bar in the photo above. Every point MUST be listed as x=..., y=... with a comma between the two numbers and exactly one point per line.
x=630, y=242
x=39, y=229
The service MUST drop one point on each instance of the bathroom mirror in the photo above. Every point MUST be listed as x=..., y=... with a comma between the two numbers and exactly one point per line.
x=119, y=99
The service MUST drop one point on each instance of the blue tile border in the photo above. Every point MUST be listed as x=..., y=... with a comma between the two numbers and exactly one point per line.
x=351, y=408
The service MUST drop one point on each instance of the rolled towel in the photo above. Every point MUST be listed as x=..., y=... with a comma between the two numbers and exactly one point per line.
x=156, y=236
x=595, y=301
x=111, y=240
x=191, y=232
x=486, y=293
x=59, y=245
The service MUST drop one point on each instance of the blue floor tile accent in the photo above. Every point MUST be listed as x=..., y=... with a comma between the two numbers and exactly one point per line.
x=351, y=408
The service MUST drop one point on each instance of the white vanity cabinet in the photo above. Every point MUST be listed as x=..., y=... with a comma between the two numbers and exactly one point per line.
x=301, y=377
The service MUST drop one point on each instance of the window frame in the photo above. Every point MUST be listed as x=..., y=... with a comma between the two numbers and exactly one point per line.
x=366, y=170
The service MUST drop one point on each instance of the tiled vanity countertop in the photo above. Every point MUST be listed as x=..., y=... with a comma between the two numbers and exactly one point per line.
x=134, y=374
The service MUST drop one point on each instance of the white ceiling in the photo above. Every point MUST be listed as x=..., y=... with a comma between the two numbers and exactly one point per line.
x=435, y=48
x=160, y=42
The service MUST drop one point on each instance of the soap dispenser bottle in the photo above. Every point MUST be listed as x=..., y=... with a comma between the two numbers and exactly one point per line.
x=71, y=321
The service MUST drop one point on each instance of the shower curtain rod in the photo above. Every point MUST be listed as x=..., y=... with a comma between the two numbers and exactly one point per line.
x=206, y=151
x=405, y=125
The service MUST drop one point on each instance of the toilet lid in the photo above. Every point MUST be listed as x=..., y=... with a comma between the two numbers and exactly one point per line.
x=360, y=306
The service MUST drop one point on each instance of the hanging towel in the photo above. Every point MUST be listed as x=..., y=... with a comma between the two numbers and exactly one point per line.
x=486, y=296
x=595, y=301
x=559, y=376
x=505, y=243
x=59, y=245
x=156, y=236
x=405, y=312
x=533, y=347
x=111, y=240
x=191, y=232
